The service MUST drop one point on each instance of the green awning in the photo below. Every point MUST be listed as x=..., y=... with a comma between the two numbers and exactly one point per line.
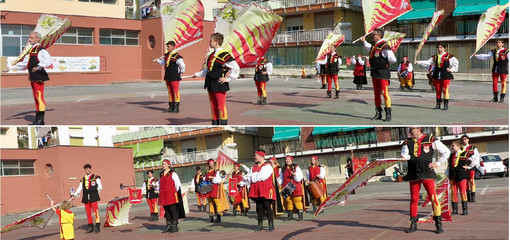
x=324, y=130
x=146, y=148
x=345, y=129
x=414, y=15
x=475, y=9
x=286, y=133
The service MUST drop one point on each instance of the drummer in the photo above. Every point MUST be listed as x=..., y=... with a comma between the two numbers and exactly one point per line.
x=213, y=197
x=242, y=190
x=316, y=172
x=291, y=173
x=195, y=183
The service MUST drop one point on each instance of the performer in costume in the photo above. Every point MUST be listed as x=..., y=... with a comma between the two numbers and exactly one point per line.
x=201, y=199
x=242, y=190
x=91, y=185
x=349, y=170
x=321, y=69
x=170, y=197
x=65, y=218
x=174, y=67
x=444, y=64
x=457, y=165
x=499, y=68
x=262, y=190
x=150, y=186
x=277, y=182
x=221, y=68
x=35, y=62
x=419, y=151
x=316, y=172
x=405, y=74
x=360, y=77
x=263, y=69
x=473, y=157
x=333, y=61
x=214, y=196
x=381, y=56
x=291, y=173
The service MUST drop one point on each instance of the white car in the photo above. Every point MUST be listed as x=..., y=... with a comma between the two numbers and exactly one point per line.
x=490, y=164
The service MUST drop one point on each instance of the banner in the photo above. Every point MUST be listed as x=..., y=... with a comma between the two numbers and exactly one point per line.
x=182, y=22
x=332, y=39
x=135, y=196
x=51, y=28
x=248, y=31
x=489, y=24
x=378, y=13
x=435, y=19
x=65, y=64
x=442, y=192
x=38, y=220
x=393, y=39
x=117, y=212
x=357, y=179
x=224, y=162
x=232, y=187
x=358, y=163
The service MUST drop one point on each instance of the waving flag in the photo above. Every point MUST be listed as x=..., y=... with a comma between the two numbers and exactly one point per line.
x=224, y=162
x=182, y=22
x=117, y=212
x=393, y=39
x=356, y=180
x=442, y=192
x=38, y=220
x=378, y=13
x=489, y=24
x=248, y=30
x=435, y=19
x=51, y=28
x=334, y=39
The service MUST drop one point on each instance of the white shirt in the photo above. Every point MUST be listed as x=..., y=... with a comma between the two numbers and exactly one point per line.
x=475, y=158
x=269, y=68
x=298, y=177
x=262, y=175
x=154, y=185
x=437, y=145
x=233, y=72
x=409, y=67
x=215, y=180
x=489, y=55
x=360, y=60
x=180, y=63
x=321, y=175
x=454, y=63
x=387, y=53
x=43, y=56
x=80, y=188
x=176, y=179
x=325, y=60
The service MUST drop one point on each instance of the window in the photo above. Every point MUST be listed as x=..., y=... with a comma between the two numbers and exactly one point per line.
x=100, y=1
x=17, y=167
x=76, y=36
x=118, y=37
x=14, y=38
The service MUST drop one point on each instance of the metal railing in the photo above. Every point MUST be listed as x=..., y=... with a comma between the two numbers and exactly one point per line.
x=277, y=4
x=302, y=35
x=282, y=147
x=199, y=156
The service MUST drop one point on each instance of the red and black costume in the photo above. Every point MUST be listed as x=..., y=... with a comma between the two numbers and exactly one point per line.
x=314, y=174
x=171, y=199
x=152, y=197
x=240, y=202
x=333, y=60
x=91, y=186
x=262, y=191
x=262, y=71
x=359, y=73
x=172, y=78
x=499, y=71
x=458, y=178
x=201, y=199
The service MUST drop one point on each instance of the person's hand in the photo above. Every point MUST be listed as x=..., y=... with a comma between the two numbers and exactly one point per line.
x=223, y=80
x=52, y=202
x=363, y=39
x=72, y=198
x=466, y=167
x=35, y=69
x=194, y=76
x=432, y=165
x=264, y=72
x=293, y=173
x=211, y=177
x=449, y=69
x=157, y=192
x=6, y=69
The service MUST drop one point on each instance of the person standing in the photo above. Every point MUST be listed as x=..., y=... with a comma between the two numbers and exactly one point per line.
x=419, y=151
x=291, y=173
x=65, y=218
x=360, y=77
x=197, y=180
x=91, y=185
x=316, y=172
x=221, y=68
x=473, y=156
x=457, y=165
x=170, y=197
x=444, y=64
x=405, y=74
x=333, y=62
x=381, y=56
x=263, y=69
x=38, y=59
x=350, y=171
x=174, y=67
x=150, y=186
x=499, y=68
x=321, y=70
x=242, y=192
x=277, y=183
x=214, y=196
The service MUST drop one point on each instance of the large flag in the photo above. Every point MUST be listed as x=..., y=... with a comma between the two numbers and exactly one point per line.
x=435, y=19
x=51, y=28
x=358, y=163
x=489, y=24
x=393, y=39
x=332, y=39
x=38, y=220
x=356, y=180
x=117, y=212
x=378, y=13
x=182, y=22
x=442, y=187
x=248, y=31
x=224, y=162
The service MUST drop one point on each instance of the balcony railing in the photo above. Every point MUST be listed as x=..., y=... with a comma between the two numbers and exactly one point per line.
x=277, y=4
x=282, y=147
x=312, y=35
x=183, y=158
x=353, y=139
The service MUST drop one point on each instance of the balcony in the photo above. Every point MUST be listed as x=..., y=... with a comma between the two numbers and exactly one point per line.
x=191, y=158
x=283, y=4
x=282, y=147
x=347, y=140
x=306, y=37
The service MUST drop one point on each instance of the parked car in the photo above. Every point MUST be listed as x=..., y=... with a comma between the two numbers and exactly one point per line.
x=490, y=164
x=505, y=162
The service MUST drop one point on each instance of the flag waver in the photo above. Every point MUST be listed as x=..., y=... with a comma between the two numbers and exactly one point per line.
x=248, y=31
x=38, y=220
x=393, y=39
x=333, y=39
x=117, y=212
x=378, y=13
x=489, y=24
x=51, y=28
x=182, y=22
x=438, y=15
x=442, y=192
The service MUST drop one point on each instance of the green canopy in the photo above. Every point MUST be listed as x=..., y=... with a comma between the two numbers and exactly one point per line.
x=286, y=133
x=146, y=148
x=324, y=130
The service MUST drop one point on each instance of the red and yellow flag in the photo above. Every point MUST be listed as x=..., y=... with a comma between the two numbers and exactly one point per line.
x=117, y=212
x=182, y=22
x=333, y=39
x=489, y=24
x=442, y=192
x=378, y=13
x=435, y=19
x=393, y=39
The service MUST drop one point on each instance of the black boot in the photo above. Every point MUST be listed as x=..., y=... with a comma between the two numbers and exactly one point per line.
x=98, y=227
x=300, y=214
x=388, y=114
x=328, y=94
x=271, y=225
x=289, y=216
x=204, y=209
x=378, y=114
x=176, y=107
x=264, y=101
x=337, y=93
x=439, y=225
x=414, y=225
x=168, y=226
x=438, y=104
x=223, y=122
x=473, y=194
x=445, y=108
x=215, y=122
x=174, y=227
x=468, y=193
x=211, y=218
x=455, y=208
x=218, y=218
x=199, y=208
x=152, y=217
x=234, y=213
x=90, y=228
x=259, y=101
x=464, y=208
x=170, y=107
x=39, y=118
x=402, y=88
x=495, y=98
x=259, y=226
x=323, y=86
x=156, y=217
x=501, y=99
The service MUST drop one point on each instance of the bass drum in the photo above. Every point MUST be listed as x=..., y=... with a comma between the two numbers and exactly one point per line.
x=315, y=189
x=205, y=187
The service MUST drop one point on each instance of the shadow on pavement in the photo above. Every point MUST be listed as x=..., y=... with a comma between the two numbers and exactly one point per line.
x=337, y=114
x=296, y=233
x=356, y=224
x=187, y=121
x=39, y=236
x=146, y=104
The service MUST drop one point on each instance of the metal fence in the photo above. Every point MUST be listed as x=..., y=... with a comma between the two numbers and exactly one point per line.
x=276, y=4
x=302, y=35
x=282, y=147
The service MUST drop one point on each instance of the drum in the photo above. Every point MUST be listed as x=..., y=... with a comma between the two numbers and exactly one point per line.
x=404, y=74
x=288, y=190
x=315, y=189
x=205, y=187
